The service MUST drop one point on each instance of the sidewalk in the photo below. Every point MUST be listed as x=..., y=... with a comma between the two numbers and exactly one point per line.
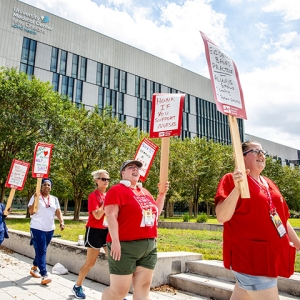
x=16, y=283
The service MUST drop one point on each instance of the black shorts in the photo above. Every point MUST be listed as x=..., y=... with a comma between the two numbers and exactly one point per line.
x=95, y=237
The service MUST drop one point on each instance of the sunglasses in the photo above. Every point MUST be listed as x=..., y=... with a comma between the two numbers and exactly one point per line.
x=256, y=152
x=104, y=179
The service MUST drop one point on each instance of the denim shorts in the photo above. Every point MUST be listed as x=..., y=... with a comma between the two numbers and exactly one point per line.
x=254, y=283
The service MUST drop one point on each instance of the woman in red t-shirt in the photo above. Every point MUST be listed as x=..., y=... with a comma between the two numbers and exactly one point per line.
x=259, y=244
x=132, y=217
x=96, y=230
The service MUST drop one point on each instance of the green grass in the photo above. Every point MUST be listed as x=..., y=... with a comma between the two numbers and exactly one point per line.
x=208, y=243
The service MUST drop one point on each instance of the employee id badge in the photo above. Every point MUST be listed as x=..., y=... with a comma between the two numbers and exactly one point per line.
x=148, y=219
x=278, y=224
x=105, y=222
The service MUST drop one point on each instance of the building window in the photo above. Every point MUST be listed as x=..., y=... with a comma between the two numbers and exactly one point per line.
x=74, y=71
x=106, y=76
x=116, y=79
x=152, y=89
x=146, y=110
x=54, y=59
x=137, y=86
x=113, y=103
x=99, y=74
x=70, y=88
x=63, y=62
x=100, y=98
x=83, y=62
x=55, y=81
x=143, y=88
x=64, y=85
x=28, y=56
x=120, y=103
x=139, y=108
x=123, y=82
x=78, y=97
x=108, y=97
x=187, y=103
x=157, y=88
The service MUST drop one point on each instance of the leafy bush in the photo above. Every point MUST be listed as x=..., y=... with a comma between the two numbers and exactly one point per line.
x=202, y=218
x=186, y=217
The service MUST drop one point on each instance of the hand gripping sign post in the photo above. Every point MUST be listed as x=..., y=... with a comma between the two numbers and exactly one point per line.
x=40, y=167
x=16, y=180
x=229, y=99
x=166, y=121
x=145, y=154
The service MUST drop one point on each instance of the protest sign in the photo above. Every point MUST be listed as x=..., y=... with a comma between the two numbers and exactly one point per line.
x=229, y=99
x=145, y=154
x=15, y=180
x=166, y=121
x=41, y=167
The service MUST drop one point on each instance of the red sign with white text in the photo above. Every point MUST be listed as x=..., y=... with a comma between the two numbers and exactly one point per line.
x=17, y=175
x=145, y=154
x=41, y=160
x=225, y=80
x=166, y=115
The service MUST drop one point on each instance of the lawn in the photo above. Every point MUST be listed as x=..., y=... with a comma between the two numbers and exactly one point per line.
x=208, y=243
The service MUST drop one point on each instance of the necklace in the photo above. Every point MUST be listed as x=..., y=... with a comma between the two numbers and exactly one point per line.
x=47, y=205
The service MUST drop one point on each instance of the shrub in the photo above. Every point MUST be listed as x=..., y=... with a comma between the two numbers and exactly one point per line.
x=202, y=218
x=186, y=217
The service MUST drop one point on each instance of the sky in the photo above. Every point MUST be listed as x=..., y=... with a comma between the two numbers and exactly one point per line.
x=262, y=37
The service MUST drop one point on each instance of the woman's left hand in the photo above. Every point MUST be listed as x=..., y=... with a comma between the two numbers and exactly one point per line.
x=62, y=226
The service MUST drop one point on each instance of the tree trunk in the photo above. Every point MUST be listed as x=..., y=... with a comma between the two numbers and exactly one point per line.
x=167, y=203
x=171, y=209
x=191, y=204
x=77, y=208
x=207, y=208
x=65, y=207
x=195, y=207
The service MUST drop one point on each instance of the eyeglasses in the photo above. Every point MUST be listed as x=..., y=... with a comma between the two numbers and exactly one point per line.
x=104, y=179
x=256, y=152
x=132, y=167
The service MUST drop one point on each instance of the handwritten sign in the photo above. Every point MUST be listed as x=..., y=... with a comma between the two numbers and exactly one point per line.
x=17, y=175
x=225, y=81
x=41, y=160
x=145, y=154
x=166, y=115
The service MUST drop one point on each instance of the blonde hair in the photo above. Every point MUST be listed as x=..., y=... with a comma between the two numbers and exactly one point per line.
x=97, y=173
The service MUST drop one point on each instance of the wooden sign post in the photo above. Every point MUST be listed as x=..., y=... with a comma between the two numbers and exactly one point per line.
x=15, y=180
x=166, y=120
x=239, y=158
x=40, y=167
x=229, y=99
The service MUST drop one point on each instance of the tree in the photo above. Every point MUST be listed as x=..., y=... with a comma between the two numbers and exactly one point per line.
x=90, y=141
x=29, y=108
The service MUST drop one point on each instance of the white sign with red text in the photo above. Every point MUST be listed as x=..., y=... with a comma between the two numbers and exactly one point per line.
x=166, y=115
x=17, y=175
x=225, y=80
x=41, y=160
x=145, y=154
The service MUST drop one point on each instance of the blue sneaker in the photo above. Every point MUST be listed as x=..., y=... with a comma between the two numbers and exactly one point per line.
x=78, y=292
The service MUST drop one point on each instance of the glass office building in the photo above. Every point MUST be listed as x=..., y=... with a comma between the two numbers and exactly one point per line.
x=93, y=69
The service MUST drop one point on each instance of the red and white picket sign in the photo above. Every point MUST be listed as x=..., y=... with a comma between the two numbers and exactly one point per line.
x=145, y=154
x=15, y=180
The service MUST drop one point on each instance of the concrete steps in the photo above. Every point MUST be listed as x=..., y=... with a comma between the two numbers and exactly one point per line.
x=210, y=279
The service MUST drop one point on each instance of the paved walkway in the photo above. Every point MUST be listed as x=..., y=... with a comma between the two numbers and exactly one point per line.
x=17, y=283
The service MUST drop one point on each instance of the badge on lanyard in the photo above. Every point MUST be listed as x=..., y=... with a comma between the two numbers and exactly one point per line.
x=278, y=224
x=148, y=219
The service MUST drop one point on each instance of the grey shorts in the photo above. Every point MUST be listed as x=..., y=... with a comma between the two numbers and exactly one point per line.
x=254, y=283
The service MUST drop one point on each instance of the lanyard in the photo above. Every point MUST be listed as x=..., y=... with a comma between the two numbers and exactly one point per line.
x=265, y=190
x=47, y=205
x=99, y=196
